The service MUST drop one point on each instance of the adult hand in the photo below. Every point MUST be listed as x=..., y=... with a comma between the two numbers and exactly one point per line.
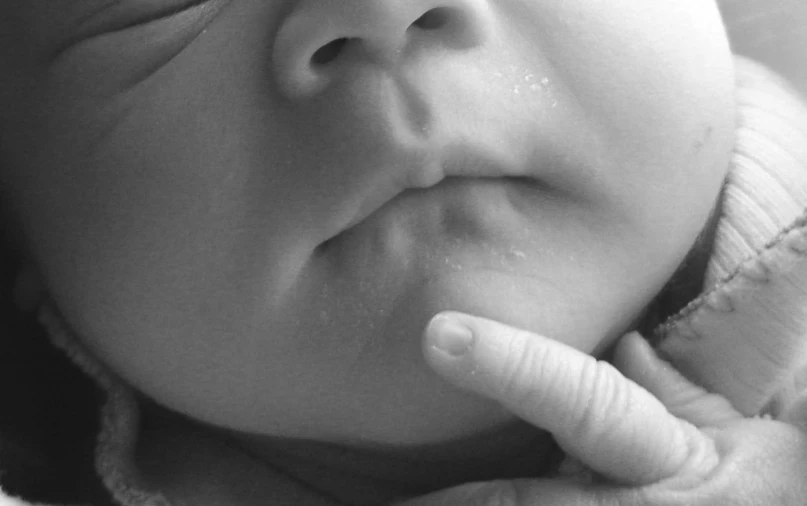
x=654, y=437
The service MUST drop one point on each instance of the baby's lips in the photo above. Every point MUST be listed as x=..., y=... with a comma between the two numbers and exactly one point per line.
x=423, y=171
x=464, y=160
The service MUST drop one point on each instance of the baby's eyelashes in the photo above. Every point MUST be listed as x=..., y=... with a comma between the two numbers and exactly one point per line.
x=119, y=46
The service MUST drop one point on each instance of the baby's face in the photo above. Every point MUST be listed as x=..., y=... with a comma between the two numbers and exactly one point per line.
x=250, y=209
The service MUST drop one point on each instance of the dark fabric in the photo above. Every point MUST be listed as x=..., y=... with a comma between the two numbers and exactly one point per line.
x=688, y=280
x=48, y=414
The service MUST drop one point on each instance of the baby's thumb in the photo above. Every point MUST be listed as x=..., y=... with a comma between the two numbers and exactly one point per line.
x=596, y=414
x=636, y=360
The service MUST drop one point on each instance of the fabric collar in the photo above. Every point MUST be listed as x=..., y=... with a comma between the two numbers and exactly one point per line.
x=744, y=336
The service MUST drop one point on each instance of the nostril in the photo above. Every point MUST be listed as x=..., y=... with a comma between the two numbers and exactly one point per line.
x=320, y=43
x=433, y=19
x=329, y=52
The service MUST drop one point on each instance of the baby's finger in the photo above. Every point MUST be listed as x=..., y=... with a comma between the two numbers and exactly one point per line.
x=605, y=420
x=638, y=361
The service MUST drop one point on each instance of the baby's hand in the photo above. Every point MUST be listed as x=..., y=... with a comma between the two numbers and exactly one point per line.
x=664, y=442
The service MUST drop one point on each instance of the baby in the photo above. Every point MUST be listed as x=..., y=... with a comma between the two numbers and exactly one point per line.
x=249, y=211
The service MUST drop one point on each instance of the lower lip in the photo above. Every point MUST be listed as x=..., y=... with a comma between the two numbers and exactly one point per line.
x=492, y=210
x=483, y=206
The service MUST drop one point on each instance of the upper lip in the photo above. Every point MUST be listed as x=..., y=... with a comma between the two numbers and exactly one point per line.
x=468, y=161
x=461, y=160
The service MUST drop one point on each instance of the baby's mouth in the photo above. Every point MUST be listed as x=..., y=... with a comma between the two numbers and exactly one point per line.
x=391, y=132
x=457, y=165
x=477, y=223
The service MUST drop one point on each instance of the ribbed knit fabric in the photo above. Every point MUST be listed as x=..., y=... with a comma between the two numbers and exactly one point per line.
x=746, y=336
x=766, y=188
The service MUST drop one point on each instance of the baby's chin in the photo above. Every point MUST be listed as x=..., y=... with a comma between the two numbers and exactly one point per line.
x=494, y=249
x=520, y=302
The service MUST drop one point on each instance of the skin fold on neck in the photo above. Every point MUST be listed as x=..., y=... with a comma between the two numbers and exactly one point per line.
x=355, y=473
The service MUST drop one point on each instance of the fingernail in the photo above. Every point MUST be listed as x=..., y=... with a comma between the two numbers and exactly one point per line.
x=450, y=336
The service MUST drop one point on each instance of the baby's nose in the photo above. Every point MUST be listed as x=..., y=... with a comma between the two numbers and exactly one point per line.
x=320, y=39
